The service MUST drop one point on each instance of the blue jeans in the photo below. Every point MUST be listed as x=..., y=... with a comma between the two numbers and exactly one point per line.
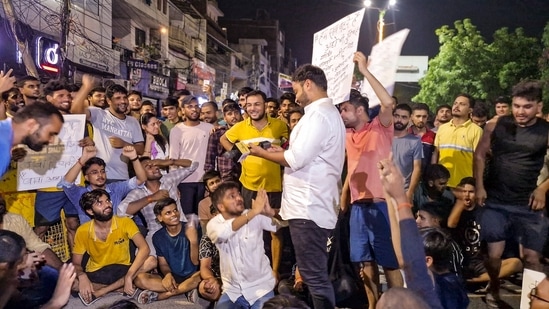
x=225, y=302
x=310, y=246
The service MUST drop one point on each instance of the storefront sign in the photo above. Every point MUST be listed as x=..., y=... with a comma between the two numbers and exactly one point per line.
x=47, y=54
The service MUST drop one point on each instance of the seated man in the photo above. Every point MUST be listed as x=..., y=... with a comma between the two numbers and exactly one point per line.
x=466, y=229
x=206, y=210
x=106, y=238
x=238, y=235
x=156, y=188
x=176, y=245
x=433, y=188
x=210, y=286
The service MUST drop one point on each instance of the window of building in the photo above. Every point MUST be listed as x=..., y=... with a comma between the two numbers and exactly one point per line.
x=90, y=6
x=140, y=37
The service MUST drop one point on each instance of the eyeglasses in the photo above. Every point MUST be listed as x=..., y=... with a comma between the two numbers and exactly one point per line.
x=95, y=173
x=534, y=292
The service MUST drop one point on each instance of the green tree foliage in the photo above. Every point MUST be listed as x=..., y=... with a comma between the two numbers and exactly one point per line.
x=467, y=63
x=544, y=66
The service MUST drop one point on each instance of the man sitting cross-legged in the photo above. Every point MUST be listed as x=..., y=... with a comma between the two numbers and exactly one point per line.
x=106, y=238
x=176, y=247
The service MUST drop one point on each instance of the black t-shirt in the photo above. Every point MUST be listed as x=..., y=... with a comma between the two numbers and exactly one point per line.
x=467, y=236
x=517, y=158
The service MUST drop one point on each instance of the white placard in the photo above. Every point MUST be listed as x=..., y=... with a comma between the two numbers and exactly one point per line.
x=46, y=168
x=384, y=63
x=333, y=49
x=530, y=279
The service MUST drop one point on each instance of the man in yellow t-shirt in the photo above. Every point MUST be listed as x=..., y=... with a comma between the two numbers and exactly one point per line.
x=107, y=241
x=258, y=173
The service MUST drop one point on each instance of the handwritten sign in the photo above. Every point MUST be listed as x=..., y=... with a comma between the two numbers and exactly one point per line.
x=530, y=279
x=46, y=168
x=384, y=63
x=333, y=49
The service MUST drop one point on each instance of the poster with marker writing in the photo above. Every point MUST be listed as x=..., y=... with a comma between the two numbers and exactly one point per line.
x=44, y=169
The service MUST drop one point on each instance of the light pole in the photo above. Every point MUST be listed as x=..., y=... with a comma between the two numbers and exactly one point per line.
x=381, y=16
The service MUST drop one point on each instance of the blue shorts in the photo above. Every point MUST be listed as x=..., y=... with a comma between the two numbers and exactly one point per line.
x=48, y=207
x=370, y=234
x=502, y=222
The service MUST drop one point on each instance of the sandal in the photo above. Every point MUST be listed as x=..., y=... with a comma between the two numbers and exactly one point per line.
x=147, y=297
x=136, y=291
x=86, y=303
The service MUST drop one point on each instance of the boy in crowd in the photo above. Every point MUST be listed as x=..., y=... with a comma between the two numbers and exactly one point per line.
x=206, y=210
x=176, y=245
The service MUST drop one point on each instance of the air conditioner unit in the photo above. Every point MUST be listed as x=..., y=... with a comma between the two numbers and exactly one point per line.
x=122, y=82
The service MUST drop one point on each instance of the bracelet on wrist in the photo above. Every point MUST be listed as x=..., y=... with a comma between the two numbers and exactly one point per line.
x=134, y=159
x=149, y=199
x=403, y=205
x=80, y=162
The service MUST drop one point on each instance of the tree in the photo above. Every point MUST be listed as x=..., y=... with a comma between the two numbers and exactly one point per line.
x=467, y=63
x=544, y=66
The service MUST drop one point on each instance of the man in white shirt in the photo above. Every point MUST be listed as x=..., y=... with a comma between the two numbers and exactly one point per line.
x=247, y=277
x=312, y=179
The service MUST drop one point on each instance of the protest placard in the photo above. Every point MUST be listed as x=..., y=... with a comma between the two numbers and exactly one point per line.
x=333, y=49
x=46, y=168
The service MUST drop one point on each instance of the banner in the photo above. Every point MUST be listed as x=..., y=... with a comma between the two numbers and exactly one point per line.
x=46, y=168
x=384, y=63
x=284, y=81
x=333, y=49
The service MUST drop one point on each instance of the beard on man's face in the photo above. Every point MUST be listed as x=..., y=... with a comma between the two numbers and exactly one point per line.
x=102, y=217
x=399, y=126
x=33, y=141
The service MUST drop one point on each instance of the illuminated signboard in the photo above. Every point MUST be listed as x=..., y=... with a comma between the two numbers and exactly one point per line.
x=47, y=54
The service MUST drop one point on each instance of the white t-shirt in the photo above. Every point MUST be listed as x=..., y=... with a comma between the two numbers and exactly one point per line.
x=106, y=125
x=191, y=142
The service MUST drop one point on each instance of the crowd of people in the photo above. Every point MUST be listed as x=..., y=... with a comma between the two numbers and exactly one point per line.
x=177, y=200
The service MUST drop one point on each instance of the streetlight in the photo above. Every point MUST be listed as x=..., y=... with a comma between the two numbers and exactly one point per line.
x=381, y=19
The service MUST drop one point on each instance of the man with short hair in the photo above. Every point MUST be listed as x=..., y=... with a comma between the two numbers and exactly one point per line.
x=30, y=88
x=237, y=232
x=272, y=107
x=241, y=94
x=147, y=107
x=170, y=107
x=294, y=115
x=479, y=116
x=443, y=114
x=208, y=113
x=176, y=245
x=113, y=130
x=206, y=210
x=189, y=140
x=109, y=234
x=457, y=140
x=96, y=98
x=513, y=203
x=367, y=142
x=420, y=114
x=35, y=126
x=313, y=164
x=215, y=160
x=433, y=188
x=407, y=149
x=135, y=99
x=502, y=106
x=287, y=99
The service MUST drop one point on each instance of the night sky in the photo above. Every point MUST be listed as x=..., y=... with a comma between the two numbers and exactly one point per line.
x=300, y=19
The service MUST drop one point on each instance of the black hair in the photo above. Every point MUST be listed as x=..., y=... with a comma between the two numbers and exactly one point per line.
x=90, y=162
x=11, y=246
x=420, y=107
x=40, y=112
x=357, y=100
x=209, y=175
x=3, y=208
x=227, y=101
x=88, y=199
x=243, y=91
x=441, y=107
x=6, y=94
x=312, y=73
x=123, y=304
x=257, y=93
x=73, y=87
x=170, y=101
x=480, y=110
x=294, y=110
x=469, y=98
x=160, y=140
x=467, y=181
x=503, y=99
x=112, y=89
x=147, y=103
x=96, y=89
x=180, y=93
x=217, y=195
x=438, y=246
x=290, y=96
x=163, y=203
x=53, y=86
x=434, y=172
x=403, y=107
x=231, y=107
x=437, y=210
x=135, y=92
x=530, y=90
x=212, y=103
x=274, y=100
x=21, y=81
